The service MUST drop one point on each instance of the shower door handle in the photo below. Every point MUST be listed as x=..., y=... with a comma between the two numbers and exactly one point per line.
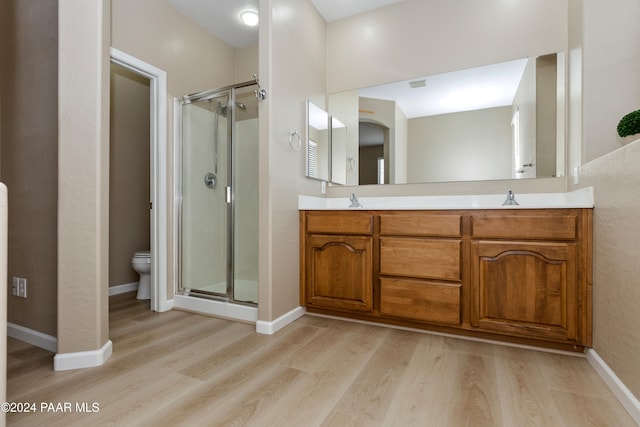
x=228, y=193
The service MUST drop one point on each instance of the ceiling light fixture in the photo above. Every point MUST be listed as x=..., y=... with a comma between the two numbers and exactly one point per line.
x=249, y=17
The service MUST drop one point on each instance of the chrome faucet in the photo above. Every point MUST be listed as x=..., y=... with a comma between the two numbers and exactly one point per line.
x=354, y=201
x=511, y=199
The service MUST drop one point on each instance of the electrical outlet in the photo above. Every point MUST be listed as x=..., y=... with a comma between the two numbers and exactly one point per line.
x=22, y=288
x=19, y=287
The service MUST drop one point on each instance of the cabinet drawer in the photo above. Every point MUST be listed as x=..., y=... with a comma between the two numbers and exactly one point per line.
x=418, y=300
x=423, y=258
x=420, y=225
x=524, y=226
x=340, y=222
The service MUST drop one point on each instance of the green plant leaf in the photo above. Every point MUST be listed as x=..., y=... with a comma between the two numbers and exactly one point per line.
x=629, y=124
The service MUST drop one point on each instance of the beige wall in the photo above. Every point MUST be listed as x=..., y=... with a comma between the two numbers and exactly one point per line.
x=611, y=86
x=616, y=294
x=608, y=42
x=398, y=167
x=439, y=149
x=546, y=115
x=292, y=70
x=418, y=38
x=29, y=152
x=83, y=175
x=155, y=32
x=345, y=106
x=246, y=64
x=129, y=170
x=525, y=103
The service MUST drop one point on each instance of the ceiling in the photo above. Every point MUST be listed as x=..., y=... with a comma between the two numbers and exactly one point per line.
x=222, y=17
x=473, y=89
x=332, y=10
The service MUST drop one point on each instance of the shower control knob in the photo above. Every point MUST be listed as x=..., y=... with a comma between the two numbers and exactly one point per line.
x=210, y=180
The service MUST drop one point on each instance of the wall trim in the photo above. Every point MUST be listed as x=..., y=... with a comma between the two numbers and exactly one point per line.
x=82, y=359
x=33, y=337
x=617, y=387
x=270, y=328
x=123, y=289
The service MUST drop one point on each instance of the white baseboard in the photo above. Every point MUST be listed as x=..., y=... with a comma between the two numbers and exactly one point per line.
x=123, y=289
x=270, y=328
x=32, y=337
x=82, y=359
x=617, y=387
x=223, y=309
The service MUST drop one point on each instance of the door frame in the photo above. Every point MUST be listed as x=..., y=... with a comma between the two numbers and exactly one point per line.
x=158, y=178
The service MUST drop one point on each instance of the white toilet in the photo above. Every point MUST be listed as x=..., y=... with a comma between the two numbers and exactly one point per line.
x=141, y=263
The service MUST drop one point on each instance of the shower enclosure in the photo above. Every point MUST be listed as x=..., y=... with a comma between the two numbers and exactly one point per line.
x=218, y=242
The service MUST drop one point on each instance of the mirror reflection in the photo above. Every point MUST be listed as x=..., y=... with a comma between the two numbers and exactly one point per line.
x=338, y=151
x=502, y=121
x=318, y=149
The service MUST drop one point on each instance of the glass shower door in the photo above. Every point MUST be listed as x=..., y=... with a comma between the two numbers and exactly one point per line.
x=245, y=195
x=205, y=232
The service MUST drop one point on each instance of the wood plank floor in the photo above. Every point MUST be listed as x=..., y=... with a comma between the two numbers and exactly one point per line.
x=182, y=369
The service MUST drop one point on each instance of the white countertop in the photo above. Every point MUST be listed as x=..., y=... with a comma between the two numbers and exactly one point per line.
x=582, y=198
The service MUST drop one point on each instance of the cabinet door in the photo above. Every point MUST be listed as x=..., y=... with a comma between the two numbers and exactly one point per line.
x=339, y=272
x=525, y=288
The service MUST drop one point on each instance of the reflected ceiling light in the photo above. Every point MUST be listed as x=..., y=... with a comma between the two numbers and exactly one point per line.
x=249, y=17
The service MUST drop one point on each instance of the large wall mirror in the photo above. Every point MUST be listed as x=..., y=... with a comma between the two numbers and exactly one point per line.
x=326, y=146
x=501, y=121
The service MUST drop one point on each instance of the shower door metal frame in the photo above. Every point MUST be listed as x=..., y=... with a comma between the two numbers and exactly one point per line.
x=229, y=188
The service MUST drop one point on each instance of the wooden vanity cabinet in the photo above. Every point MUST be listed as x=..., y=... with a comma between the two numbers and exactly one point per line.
x=531, y=274
x=521, y=275
x=420, y=275
x=337, y=261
